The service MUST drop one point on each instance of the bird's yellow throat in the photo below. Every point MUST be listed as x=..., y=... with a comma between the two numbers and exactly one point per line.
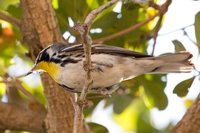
x=51, y=68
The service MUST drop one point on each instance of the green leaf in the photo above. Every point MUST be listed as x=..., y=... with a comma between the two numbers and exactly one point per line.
x=128, y=119
x=121, y=102
x=76, y=9
x=197, y=27
x=97, y=128
x=178, y=45
x=144, y=123
x=154, y=90
x=15, y=10
x=2, y=89
x=107, y=26
x=118, y=22
x=6, y=3
x=92, y=3
x=182, y=88
x=55, y=4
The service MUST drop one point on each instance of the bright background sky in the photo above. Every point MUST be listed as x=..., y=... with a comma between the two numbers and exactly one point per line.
x=181, y=13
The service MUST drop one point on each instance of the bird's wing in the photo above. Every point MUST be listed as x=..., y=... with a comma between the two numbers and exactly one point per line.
x=99, y=48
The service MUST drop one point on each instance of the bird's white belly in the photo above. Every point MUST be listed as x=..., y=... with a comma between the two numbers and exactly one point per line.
x=74, y=76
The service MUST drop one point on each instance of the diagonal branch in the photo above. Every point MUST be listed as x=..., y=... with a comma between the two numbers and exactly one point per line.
x=10, y=19
x=15, y=84
x=156, y=30
x=125, y=31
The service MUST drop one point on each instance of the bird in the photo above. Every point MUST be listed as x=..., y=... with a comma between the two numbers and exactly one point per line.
x=110, y=65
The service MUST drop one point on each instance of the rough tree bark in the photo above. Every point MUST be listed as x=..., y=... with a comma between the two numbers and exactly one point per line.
x=190, y=123
x=18, y=118
x=40, y=28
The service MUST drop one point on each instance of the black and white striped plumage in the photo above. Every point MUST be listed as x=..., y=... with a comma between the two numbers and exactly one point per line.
x=111, y=65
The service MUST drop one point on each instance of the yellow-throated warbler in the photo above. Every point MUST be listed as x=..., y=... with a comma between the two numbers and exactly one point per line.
x=111, y=65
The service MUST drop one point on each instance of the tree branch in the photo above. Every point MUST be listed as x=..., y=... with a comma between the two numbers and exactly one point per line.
x=12, y=87
x=15, y=117
x=190, y=122
x=93, y=14
x=156, y=30
x=84, y=29
x=10, y=19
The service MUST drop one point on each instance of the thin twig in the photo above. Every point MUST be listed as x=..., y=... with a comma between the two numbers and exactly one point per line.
x=170, y=32
x=93, y=14
x=186, y=34
x=23, y=90
x=78, y=118
x=84, y=29
x=19, y=86
x=10, y=19
x=156, y=30
x=153, y=4
x=87, y=42
x=162, y=10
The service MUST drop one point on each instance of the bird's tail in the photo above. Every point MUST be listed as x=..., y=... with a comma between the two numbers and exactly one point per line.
x=169, y=63
x=173, y=63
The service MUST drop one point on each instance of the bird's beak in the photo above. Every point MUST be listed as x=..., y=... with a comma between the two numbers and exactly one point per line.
x=29, y=72
x=32, y=70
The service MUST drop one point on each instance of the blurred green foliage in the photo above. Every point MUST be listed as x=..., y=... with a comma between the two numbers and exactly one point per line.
x=197, y=27
x=131, y=107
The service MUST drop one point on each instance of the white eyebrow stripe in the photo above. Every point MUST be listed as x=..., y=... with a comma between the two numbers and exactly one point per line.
x=71, y=47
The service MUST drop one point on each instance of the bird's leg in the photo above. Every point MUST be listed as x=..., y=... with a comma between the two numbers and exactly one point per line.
x=107, y=91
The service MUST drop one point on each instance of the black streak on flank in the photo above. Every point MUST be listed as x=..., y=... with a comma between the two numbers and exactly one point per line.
x=61, y=56
x=69, y=60
x=55, y=60
x=155, y=69
x=68, y=88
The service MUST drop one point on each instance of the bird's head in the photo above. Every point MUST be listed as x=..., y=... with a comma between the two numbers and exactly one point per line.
x=47, y=60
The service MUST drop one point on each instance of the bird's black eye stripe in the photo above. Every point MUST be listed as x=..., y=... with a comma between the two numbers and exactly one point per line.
x=44, y=56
